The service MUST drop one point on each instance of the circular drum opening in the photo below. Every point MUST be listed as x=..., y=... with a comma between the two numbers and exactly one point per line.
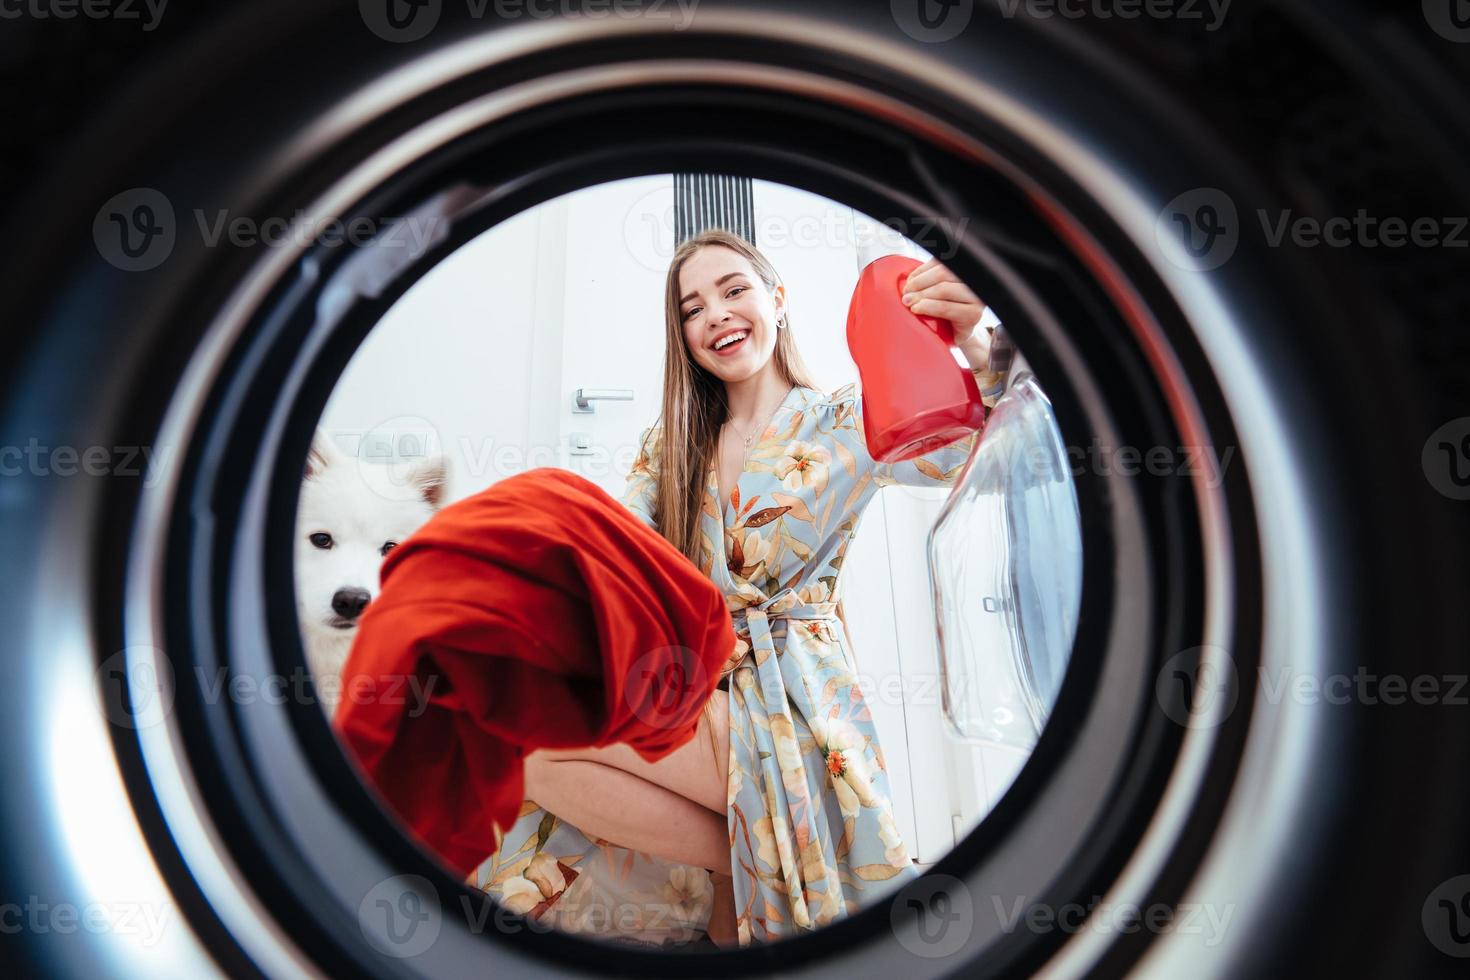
x=566, y=299
x=1075, y=810
x=1053, y=206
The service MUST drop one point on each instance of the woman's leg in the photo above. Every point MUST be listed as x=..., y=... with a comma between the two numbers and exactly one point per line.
x=601, y=801
x=674, y=808
x=696, y=770
x=723, y=929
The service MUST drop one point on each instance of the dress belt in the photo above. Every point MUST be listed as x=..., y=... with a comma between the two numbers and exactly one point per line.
x=756, y=618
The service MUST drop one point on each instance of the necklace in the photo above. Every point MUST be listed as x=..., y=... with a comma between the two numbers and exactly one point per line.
x=750, y=438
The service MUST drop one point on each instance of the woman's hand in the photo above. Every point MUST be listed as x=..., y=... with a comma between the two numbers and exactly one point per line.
x=932, y=290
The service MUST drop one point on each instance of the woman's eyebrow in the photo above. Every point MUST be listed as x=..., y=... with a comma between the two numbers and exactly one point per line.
x=718, y=282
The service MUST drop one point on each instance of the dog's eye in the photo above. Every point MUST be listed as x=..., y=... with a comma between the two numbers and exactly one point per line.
x=387, y=547
x=321, y=539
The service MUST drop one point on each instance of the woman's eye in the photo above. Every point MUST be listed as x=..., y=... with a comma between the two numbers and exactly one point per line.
x=321, y=539
x=691, y=311
x=737, y=289
x=387, y=547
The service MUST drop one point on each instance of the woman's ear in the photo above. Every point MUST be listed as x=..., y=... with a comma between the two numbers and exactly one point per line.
x=779, y=295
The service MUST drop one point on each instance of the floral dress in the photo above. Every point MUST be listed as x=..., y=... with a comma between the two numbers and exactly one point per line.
x=812, y=831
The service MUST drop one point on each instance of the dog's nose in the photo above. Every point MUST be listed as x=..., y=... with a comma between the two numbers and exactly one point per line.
x=349, y=603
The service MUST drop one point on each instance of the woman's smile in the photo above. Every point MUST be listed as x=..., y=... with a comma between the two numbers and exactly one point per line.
x=729, y=342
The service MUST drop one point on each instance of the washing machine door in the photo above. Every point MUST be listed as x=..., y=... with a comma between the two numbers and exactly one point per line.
x=1006, y=561
x=1096, y=180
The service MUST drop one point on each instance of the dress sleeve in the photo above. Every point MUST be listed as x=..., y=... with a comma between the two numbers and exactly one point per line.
x=639, y=495
x=937, y=468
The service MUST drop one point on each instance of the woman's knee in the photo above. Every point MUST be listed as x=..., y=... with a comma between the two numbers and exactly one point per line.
x=539, y=774
x=697, y=771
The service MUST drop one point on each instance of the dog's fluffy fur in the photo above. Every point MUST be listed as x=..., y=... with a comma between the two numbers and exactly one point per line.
x=360, y=516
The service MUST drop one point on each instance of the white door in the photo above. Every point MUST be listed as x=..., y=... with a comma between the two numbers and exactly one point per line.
x=619, y=239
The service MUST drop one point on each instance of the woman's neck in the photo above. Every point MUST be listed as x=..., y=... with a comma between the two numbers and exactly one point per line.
x=752, y=400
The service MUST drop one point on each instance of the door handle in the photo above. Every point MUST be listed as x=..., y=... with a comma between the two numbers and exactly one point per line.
x=582, y=401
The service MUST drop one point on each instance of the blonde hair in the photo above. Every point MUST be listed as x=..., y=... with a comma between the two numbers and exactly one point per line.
x=694, y=400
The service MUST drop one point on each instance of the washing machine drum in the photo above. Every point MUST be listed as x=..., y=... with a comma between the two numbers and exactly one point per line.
x=1238, y=682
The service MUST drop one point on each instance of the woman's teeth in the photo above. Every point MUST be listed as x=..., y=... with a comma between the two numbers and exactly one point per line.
x=730, y=341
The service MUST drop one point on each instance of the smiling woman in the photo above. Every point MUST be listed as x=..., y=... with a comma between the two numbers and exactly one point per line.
x=795, y=804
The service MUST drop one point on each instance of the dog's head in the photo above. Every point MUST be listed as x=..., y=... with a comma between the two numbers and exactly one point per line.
x=345, y=526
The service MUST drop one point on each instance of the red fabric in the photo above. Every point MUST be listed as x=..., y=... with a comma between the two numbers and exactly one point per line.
x=546, y=615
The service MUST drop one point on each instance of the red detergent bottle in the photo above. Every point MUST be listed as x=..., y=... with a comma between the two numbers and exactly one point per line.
x=915, y=397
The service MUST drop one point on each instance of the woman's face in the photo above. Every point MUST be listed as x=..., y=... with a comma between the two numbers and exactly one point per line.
x=721, y=299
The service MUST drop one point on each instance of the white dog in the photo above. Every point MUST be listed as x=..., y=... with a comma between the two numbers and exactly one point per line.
x=345, y=525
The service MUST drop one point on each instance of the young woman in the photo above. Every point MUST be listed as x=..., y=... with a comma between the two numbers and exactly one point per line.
x=759, y=478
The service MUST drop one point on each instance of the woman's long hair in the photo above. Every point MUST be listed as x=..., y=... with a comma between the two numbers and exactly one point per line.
x=694, y=404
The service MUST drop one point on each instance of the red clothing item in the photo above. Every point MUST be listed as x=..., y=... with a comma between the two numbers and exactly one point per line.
x=545, y=615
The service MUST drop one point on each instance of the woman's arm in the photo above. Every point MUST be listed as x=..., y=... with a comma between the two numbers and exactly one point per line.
x=640, y=493
x=936, y=468
x=933, y=290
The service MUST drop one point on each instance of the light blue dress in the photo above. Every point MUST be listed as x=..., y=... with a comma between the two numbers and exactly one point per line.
x=812, y=830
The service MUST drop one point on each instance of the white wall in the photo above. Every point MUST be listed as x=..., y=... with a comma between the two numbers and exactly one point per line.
x=481, y=359
x=452, y=359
